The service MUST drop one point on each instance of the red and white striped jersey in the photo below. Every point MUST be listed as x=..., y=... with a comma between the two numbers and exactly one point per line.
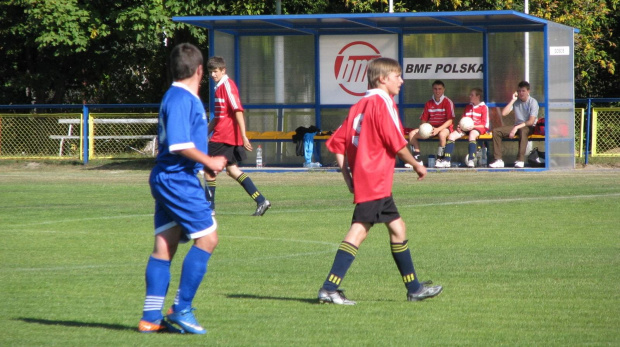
x=480, y=114
x=437, y=113
x=227, y=102
x=370, y=136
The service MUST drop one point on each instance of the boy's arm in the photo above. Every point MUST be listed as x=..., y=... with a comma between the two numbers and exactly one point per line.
x=506, y=110
x=344, y=168
x=406, y=156
x=241, y=122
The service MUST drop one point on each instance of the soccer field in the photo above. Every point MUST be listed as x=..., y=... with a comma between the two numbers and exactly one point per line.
x=526, y=259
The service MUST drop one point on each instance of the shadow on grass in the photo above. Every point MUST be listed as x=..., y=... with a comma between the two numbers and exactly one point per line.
x=263, y=297
x=122, y=164
x=68, y=323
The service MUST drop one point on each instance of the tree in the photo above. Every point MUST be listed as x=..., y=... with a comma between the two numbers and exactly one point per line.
x=596, y=46
x=114, y=51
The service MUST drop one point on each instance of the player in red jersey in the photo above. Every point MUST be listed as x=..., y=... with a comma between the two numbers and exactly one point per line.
x=229, y=138
x=366, y=146
x=479, y=112
x=438, y=112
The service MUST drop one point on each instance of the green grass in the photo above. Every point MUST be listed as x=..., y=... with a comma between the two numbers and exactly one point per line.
x=525, y=259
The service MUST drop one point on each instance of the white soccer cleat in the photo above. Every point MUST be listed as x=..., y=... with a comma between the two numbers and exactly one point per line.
x=519, y=164
x=336, y=297
x=440, y=163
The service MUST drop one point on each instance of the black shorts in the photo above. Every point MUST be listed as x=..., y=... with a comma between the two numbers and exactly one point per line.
x=376, y=211
x=233, y=154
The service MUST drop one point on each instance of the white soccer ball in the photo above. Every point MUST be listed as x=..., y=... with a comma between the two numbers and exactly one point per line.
x=466, y=124
x=426, y=130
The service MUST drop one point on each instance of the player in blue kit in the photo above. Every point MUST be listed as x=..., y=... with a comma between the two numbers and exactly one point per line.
x=182, y=212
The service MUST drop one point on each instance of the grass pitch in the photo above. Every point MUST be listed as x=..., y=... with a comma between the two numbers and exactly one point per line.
x=525, y=259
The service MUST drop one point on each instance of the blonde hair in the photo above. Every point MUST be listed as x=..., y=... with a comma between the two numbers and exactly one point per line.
x=381, y=67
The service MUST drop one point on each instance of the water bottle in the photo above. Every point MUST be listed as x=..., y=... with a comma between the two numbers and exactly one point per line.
x=259, y=157
x=431, y=161
x=479, y=156
x=483, y=160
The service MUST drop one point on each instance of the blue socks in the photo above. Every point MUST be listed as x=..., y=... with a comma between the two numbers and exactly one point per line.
x=472, y=150
x=194, y=269
x=157, y=276
x=449, y=150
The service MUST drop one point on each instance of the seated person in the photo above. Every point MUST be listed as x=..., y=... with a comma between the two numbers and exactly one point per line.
x=479, y=112
x=526, y=114
x=439, y=112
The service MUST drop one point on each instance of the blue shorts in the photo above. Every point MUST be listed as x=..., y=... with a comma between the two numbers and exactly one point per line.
x=180, y=200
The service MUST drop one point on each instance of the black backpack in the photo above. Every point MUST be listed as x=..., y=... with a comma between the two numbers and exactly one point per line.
x=536, y=158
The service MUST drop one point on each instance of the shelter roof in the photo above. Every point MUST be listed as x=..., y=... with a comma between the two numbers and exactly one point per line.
x=370, y=23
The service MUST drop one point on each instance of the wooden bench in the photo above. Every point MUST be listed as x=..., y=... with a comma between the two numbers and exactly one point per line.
x=288, y=136
x=278, y=136
x=489, y=137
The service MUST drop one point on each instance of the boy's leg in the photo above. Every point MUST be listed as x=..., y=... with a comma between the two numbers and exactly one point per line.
x=210, y=185
x=443, y=136
x=402, y=257
x=345, y=256
x=262, y=204
x=192, y=274
x=523, y=139
x=498, y=135
x=471, y=150
x=157, y=278
x=415, y=146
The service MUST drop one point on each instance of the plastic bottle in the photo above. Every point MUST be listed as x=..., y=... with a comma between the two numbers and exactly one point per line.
x=431, y=161
x=259, y=157
x=483, y=160
x=479, y=156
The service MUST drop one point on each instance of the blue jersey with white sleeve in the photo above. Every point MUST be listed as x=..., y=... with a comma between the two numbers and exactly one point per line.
x=182, y=125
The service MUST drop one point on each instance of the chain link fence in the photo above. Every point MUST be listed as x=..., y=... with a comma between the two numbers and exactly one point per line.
x=60, y=135
x=606, y=132
x=579, y=131
x=31, y=136
x=130, y=135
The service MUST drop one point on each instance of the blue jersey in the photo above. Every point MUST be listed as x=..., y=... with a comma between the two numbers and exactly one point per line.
x=182, y=125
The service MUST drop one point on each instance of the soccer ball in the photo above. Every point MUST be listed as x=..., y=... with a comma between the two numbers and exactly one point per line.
x=466, y=124
x=426, y=130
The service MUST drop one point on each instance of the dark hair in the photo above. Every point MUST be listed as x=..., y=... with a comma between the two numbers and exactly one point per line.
x=478, y=91
x=439, y=82
x=184, y=60
x=215, y=63
x=524, y=84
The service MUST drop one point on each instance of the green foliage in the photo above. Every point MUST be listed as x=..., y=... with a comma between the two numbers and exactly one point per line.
x=114, y=51
x=595, y=44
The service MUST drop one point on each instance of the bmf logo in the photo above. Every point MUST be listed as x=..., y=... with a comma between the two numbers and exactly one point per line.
x=350, y=66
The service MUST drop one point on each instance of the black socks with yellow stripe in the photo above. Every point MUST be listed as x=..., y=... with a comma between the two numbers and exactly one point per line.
x=402, y=257
x=344, y=258
x=250, y=188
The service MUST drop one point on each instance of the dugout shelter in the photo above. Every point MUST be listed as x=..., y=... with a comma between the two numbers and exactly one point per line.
x=301, y=70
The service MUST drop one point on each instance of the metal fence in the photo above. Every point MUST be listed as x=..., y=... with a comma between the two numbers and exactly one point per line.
x=606, y=132
x=133, y=134
x=61, y=136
